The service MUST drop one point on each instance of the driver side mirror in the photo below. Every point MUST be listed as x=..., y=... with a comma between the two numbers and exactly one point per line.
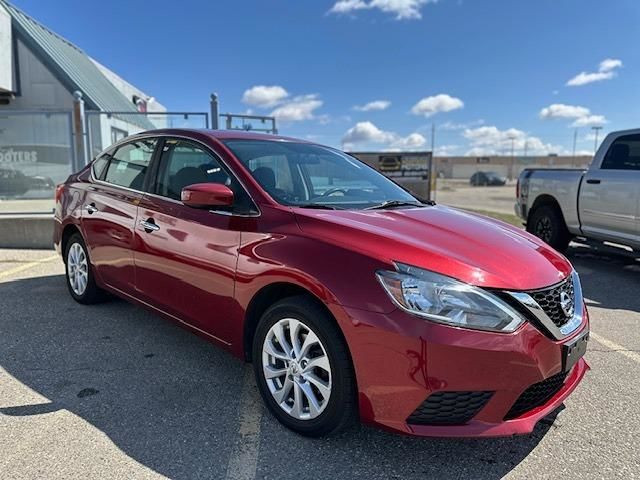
x=206, y=195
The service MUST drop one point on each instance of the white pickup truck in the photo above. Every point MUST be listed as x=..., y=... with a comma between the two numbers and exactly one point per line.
x=600, y=204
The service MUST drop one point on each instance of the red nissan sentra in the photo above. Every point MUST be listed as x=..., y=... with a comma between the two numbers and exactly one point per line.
x=351, y=297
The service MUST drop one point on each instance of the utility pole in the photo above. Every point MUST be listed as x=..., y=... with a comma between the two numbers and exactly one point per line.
x=432, y=177
x=526, y=147
x=596, y=129
x=575, y=140
x=513, y=156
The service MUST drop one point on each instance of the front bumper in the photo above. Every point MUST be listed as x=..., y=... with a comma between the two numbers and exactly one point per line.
x=400, y=360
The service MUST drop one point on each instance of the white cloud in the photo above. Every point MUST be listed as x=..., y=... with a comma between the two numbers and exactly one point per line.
x=490, y=140
x=364, y=133
x=298, y=109
x=446, y=150
x=438, y=103
x=609, y=64
x=264, y=95
x=375, y=105
x=460, y=126
x=589, y=120
x=410, y=142
x=606, y=71
x=401, y=9
x=560, y=110
x=582, y=115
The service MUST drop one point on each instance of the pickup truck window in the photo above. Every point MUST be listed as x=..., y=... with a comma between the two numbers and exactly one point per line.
x=623, y=154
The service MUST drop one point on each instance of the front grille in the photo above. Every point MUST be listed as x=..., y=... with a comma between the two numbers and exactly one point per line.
x=549, y=301
x=449, y=408
x=536, y=395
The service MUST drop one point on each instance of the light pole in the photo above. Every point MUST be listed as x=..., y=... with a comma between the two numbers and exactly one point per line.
x=432, y=177
x=596, y=129
x=512, y=162
x=575, y=139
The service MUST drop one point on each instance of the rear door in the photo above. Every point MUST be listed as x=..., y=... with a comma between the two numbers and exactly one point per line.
x=110, y=211
x=186, y=257
x=610, y=195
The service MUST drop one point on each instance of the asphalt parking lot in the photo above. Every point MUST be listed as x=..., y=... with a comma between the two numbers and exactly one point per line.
x=113, y=391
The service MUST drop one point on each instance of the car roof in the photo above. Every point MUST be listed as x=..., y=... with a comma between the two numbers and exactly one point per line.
x=224, y=134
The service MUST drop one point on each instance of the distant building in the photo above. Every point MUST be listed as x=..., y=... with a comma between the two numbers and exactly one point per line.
x=506, y=166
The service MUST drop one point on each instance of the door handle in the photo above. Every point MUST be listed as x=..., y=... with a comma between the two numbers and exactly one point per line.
x=593, y=181
x=149, y=225
x=91, y=208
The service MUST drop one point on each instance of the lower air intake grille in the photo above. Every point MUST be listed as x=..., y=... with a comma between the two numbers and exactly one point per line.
x=449, y=408
x=536, y=395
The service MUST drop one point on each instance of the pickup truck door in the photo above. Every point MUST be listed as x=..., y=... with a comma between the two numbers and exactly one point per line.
x=610, y=192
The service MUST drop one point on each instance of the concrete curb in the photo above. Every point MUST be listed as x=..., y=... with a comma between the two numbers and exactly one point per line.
x=26, y=231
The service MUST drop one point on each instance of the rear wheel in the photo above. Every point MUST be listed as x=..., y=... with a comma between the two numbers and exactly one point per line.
x=303, y=369
x=80, y=280
x=547, y=224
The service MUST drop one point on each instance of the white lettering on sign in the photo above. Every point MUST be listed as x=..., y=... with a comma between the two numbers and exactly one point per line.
x=10, y=155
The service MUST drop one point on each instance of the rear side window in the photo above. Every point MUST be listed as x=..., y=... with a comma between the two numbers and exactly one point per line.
x=623, y=154
x=129, y=164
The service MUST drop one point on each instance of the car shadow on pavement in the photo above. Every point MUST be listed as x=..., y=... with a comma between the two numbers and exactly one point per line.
x=170, y=400
x=608, y=280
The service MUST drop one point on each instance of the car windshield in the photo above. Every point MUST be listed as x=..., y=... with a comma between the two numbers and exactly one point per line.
x=308, y=175
x=492, y=175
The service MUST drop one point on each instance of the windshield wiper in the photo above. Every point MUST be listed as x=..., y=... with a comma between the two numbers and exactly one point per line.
x=320, y=206
x=399, y=203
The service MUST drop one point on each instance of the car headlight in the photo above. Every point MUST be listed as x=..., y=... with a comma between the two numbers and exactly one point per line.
x=442, y=299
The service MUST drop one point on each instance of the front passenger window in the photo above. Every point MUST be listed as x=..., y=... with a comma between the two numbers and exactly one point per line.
x=183, y=164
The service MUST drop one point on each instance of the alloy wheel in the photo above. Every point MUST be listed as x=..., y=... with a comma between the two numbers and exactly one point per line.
x=544, y=229
x=296, y=369
x=77, y=269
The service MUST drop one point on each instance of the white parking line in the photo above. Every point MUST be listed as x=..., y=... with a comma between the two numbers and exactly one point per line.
x=26, y=266
x=243, y=461
x=614, y=346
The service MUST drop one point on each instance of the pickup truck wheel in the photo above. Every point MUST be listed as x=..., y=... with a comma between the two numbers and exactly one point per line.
x=547, y=224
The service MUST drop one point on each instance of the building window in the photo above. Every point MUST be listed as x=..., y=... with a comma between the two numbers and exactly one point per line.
x=117, y=135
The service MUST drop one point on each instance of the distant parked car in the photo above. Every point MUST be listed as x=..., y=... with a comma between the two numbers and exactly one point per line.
x=15, y=183
x=487, y=178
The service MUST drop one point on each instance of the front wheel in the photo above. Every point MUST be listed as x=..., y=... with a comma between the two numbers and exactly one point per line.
x=547, y=224
x=303, y=369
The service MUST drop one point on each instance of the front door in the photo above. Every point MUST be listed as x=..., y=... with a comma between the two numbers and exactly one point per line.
x=110, y=211
x=186, y=257
x=609, y=196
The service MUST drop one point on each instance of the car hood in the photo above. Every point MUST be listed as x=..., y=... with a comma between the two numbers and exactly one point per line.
x=472, y=248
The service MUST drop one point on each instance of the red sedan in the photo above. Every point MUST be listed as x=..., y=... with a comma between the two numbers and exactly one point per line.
x=351, y=297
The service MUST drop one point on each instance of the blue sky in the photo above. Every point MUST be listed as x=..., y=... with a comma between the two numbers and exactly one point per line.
x=486, y=73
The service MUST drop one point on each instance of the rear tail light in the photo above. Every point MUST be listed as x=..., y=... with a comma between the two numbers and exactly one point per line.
x=58, y=194
x=518, y=188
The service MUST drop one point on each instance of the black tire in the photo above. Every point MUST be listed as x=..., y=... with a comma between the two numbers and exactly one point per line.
x=92, y=293
x=547, y=223
x=341, y=410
